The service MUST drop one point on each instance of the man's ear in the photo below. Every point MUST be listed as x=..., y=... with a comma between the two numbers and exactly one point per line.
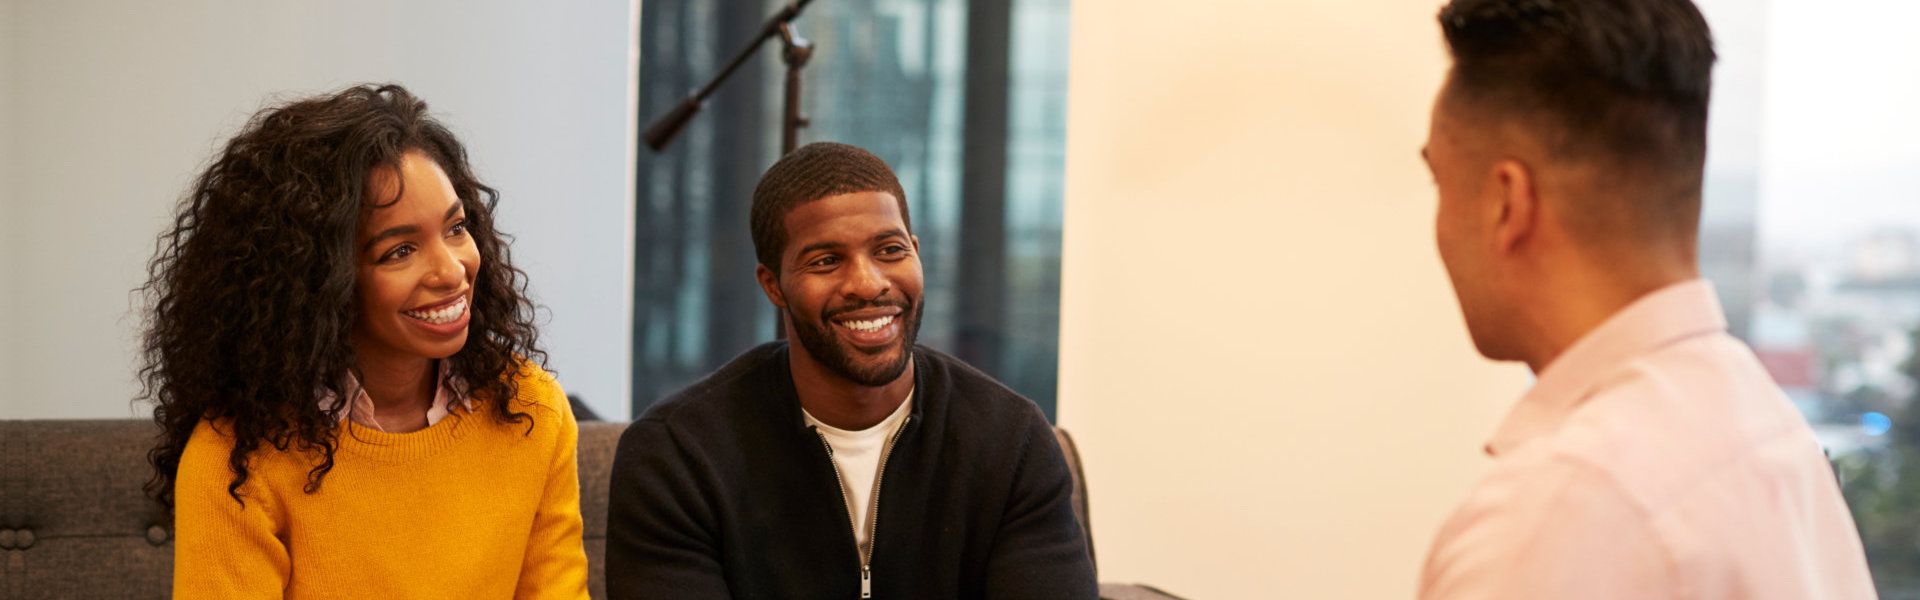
x=1516, y=210
x=770, y=284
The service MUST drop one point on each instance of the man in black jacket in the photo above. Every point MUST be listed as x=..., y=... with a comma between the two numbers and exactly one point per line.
x=853, y=464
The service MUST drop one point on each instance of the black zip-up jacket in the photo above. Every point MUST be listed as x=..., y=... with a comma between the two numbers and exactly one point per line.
x=723, y=491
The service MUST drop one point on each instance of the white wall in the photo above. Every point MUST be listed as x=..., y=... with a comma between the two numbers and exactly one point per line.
x=117, y=103
x=1260, y=353
x=9, y=400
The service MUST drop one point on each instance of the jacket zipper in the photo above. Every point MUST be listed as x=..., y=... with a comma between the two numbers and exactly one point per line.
x=866, y=556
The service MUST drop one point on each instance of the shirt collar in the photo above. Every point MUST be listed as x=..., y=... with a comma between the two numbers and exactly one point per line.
x=451, y=389
x=1662, y=317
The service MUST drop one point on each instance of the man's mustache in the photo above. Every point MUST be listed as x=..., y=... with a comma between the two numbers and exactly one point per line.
x=900, y=303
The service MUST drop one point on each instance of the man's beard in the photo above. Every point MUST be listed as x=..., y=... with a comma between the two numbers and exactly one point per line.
x=828, y=350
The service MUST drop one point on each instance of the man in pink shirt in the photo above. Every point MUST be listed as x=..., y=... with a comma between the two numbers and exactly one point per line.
x=1654, y=458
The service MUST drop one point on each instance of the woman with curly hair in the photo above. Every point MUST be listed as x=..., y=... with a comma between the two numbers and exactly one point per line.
x=343, y=364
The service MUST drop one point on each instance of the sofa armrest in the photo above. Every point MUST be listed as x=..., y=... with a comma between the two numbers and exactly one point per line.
x=1080, y=511
x=1131, y=591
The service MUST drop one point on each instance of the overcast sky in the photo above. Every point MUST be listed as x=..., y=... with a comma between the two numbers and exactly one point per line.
x=1840, y=118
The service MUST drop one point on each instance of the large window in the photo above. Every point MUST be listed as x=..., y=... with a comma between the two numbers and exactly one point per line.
x=1812, y=235
x=965, y=99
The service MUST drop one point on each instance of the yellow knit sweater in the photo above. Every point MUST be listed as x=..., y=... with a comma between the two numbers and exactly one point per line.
x=466, y=508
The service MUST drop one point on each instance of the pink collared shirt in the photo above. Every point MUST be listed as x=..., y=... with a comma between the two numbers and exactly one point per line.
x=1654, y=458
x=361, y=411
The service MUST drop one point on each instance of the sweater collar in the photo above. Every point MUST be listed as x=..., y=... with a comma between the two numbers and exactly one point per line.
x=782, y=363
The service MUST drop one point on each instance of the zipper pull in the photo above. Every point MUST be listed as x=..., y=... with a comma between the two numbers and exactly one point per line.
x=866, y=582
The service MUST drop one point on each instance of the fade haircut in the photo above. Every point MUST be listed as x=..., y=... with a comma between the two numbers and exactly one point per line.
x=1622, y=84
x=815, y=171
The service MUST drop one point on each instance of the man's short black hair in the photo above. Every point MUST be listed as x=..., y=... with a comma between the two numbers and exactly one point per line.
x=1623, y=82
x=815, y=171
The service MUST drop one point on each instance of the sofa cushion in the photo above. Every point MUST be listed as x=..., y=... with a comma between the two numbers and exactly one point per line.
x=597, y=443
x=82, y=524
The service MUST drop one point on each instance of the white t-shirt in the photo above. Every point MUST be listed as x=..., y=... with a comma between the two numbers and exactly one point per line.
x=857, y=454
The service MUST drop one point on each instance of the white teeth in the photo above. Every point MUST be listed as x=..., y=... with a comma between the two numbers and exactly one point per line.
x=442, y=316
x=868, y=326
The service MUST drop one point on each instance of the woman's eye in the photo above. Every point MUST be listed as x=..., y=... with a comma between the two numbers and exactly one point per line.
x=458, y=229
x=397, y=253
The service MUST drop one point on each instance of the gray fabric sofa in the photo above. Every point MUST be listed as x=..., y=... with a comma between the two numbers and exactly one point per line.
x=74, y=522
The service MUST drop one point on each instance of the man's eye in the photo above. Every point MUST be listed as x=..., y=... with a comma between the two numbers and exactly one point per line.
x=824, y=261
x=895, y=249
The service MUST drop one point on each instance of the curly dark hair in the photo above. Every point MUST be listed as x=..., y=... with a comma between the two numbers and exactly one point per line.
x=252, y=289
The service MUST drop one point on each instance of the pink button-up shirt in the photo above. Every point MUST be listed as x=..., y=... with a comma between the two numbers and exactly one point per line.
x=1653, y=459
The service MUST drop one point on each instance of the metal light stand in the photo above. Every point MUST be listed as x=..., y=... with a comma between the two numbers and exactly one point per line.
x=794, y=51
